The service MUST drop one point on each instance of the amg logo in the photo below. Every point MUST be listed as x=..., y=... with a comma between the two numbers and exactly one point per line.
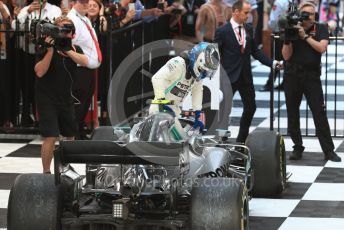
x=219, y=172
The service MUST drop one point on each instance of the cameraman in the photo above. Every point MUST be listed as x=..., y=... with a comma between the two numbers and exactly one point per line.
x=36, y=10
x=302, y=76
x=55, y=68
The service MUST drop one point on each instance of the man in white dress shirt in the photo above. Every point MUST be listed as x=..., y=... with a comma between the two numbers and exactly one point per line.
x=84, y=78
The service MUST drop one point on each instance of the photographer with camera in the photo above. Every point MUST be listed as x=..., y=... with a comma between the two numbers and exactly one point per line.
x=35, y=11
x=302, y=77
x=176, y=10
x=56, y=64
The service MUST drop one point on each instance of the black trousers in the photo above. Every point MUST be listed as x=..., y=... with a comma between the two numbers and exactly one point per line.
x=5, y=92
x=299, y=82
x=83, y=87
x=248, y=98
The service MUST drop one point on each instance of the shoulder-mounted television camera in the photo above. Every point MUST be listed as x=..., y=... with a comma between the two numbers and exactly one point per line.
x=287, y=23
x=40, y=29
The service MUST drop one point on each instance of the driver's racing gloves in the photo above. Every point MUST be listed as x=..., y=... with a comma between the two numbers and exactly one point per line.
x=198, y=123
x=165, y=108
x=168, y=109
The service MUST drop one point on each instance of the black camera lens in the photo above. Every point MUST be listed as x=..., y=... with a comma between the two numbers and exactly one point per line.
x=305, y=15
x=67, y=31
x=67, y=28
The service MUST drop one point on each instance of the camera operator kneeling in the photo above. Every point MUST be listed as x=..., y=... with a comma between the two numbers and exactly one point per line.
x=56, y=63
x=302, y=77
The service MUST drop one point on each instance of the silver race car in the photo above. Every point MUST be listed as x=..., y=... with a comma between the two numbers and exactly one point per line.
x=142, y=178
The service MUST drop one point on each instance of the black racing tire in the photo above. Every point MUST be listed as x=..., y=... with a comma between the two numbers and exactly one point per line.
x=268, y=163
x=34, y=203
x=219, y=203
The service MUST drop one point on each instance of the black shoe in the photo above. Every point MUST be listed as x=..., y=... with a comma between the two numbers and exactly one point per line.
x=27, y=122
x=265, y=88
x=297, y=154
x=82, y=137
x=332, y=156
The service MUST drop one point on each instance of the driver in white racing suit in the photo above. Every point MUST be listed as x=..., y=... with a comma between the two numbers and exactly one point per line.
x=181, y=75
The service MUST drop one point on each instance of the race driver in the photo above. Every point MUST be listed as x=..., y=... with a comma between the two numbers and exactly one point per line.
x=184, y=74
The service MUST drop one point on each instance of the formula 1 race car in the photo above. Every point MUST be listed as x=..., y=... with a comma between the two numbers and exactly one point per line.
x=141, y=178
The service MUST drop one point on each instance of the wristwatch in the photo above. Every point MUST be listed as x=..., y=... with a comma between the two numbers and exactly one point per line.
x=305, y=37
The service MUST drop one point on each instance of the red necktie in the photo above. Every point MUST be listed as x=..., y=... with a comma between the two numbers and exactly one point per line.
x=99, y=52
x=239, y=32
x=241, y=40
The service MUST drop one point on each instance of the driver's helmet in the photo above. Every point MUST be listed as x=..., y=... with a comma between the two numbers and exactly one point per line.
x=204, y=60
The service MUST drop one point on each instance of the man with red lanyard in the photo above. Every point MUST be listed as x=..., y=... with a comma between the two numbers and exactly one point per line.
x=236, y=45
x=84, y=80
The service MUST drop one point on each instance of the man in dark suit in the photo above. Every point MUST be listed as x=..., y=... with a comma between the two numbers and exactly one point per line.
x=236, y=45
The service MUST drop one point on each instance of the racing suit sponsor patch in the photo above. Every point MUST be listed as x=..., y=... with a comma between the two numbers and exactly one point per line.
x=171, y=67
x=183, y=86
x=178, y=92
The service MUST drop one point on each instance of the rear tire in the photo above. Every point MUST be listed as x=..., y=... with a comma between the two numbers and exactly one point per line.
x=219, y=203
x=34, y=203
x=268, y=163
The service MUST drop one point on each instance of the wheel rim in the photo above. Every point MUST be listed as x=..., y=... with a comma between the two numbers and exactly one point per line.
x=282, y=163
x=244, y=211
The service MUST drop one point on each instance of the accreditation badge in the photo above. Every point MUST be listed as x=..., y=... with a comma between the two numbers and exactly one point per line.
x=190, y=19
x=2, y=43
x=3, y=55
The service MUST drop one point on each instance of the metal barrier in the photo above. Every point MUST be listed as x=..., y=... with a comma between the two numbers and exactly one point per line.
x=333, y=100
x=138, y=85
x=16, y=93
x=117, y=44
